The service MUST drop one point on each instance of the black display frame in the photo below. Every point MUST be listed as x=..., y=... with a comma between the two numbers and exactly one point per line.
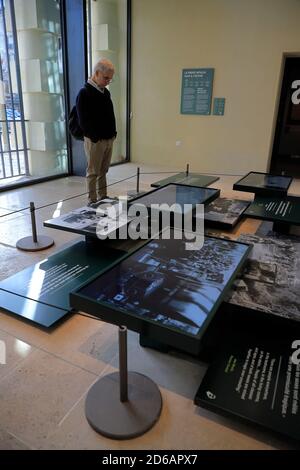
x=237, y=186
x=215, y=194
x=273, y=218
x=165, y=334
x=160, y=183
x=210, y=223
x=243, y=322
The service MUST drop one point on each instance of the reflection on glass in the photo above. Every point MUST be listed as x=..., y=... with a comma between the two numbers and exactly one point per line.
x=261, y=180
x=176, y=194
x=32, y=115
x=35, y=286
x=164, y=283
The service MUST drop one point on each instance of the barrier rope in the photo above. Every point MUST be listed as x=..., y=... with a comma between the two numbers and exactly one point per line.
x=111, y=184
x=83, y=194
x=14, y=212
x=66, y=199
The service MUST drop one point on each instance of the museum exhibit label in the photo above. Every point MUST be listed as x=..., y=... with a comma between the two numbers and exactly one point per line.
x=164, y=290
x=257, y=380
x=219, y=107
x=275, y=209
x=40, y=293
x=196, y=91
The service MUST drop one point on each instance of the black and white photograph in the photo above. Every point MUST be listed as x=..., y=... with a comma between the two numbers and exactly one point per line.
x=270, y=281
x=224, y=212
x=96, y=221
x=168, y=284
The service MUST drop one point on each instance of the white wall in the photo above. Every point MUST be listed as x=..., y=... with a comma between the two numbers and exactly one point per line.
x=244, y=42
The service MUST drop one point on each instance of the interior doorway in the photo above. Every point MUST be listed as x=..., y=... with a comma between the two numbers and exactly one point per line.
x=286, y=146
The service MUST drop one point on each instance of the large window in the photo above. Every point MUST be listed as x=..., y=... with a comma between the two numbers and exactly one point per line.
x=13, y=147
x=108, y=33
x=32, y=113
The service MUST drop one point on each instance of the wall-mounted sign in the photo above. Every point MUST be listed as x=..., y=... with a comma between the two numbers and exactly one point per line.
x=196, y=91
x=219, y=106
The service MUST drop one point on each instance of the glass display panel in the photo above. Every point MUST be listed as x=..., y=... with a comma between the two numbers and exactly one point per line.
x=192, y=179
x=166, y=284
x=177, y=194
x=263, y=182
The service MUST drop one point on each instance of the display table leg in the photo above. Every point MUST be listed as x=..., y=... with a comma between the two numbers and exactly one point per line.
x=123, y=405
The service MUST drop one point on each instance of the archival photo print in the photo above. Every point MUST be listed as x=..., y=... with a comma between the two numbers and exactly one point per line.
x=270, y=281
x=90, y=220
x=165, y=283
x=224, y=211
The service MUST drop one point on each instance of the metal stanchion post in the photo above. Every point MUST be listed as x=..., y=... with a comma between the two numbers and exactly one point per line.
x=34, y=243
x=138, y=180
x=123, y=364
x=136, y=193
x=187, y=169
x=33, y=223
x=123, y=405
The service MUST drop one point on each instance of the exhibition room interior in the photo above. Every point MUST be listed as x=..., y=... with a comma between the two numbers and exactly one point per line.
x=121, y=342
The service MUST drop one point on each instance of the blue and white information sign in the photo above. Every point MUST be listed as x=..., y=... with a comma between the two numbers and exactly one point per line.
x=219, y=106
x=196, y=91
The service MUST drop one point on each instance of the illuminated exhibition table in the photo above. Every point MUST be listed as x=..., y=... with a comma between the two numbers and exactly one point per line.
x=264, y=184
x=282, y=211
x=164, y=290
x=191, y=179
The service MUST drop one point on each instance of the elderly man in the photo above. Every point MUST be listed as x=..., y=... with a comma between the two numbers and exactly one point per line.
x=97, y=120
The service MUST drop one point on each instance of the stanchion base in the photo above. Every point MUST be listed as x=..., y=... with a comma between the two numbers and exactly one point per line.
x=112, y=418
x=27, y=243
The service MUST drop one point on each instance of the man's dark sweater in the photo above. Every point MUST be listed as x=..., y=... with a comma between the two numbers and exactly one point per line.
x=96, y=113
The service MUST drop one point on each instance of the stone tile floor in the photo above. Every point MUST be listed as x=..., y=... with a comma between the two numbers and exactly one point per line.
x=48, y=373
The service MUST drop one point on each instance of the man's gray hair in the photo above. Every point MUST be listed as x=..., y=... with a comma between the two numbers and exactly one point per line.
x=104, y=65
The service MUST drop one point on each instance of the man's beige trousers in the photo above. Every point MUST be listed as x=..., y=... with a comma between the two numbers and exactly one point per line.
x=98, y=160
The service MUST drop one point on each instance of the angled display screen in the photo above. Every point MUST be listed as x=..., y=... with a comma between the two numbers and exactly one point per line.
x=276, y=209
x=177, y=194
x=165, y=285
x=263, y=183
x=192, y=179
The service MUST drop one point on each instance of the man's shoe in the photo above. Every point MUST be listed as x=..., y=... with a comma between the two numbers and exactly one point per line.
x=92, y=204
